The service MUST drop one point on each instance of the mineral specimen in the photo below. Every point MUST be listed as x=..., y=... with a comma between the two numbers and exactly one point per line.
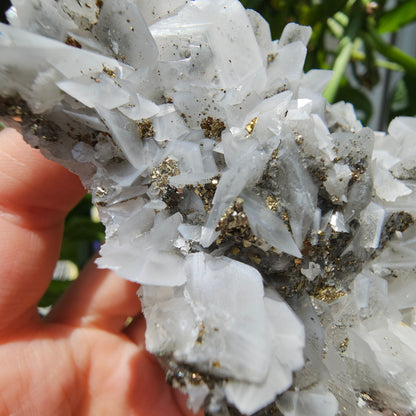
x=272, y=234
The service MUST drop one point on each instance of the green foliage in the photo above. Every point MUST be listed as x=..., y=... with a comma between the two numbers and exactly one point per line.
x=82, y=235
x=54, y=292
x=280, y=12
x=356, y=27
x=404, y=97
x=403, y=14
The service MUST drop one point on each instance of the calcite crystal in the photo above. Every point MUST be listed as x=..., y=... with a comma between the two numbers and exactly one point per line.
x=272, y=233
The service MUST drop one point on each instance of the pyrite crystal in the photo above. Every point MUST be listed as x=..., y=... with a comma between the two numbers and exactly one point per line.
x=273, y=235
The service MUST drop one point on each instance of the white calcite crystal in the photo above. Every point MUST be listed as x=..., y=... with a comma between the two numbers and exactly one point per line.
x=271, y=233
x=253, y=348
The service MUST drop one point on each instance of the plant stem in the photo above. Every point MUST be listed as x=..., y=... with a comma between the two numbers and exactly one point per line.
x=340, y=65
x=335, y=27
x=381, y=63
x=392, y=53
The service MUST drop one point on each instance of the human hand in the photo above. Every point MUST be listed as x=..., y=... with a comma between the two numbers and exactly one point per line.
x=79, y=360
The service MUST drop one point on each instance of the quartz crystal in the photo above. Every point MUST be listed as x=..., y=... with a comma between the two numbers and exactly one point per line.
x=272, y=234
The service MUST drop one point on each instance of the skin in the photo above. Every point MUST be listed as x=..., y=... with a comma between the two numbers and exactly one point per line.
x=80, y=359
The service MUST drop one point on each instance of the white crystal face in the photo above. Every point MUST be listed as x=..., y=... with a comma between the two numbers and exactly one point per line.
x=220, y=325
x=271, y=233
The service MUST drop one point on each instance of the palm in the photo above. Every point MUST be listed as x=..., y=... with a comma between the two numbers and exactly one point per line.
x=81, y=360
x=88, y=371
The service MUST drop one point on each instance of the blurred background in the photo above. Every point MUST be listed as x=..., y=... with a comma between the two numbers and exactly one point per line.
x=370, y=46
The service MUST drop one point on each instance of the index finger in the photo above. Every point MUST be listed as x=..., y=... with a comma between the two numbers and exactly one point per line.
x=35, y=196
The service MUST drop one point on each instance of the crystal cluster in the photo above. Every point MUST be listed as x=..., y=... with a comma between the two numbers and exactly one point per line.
x=268, y=229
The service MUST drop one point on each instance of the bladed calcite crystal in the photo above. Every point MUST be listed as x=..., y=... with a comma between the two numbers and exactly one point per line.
x=271, y=232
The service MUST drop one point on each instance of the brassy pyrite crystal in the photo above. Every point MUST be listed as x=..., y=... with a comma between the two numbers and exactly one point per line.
x=271, y=232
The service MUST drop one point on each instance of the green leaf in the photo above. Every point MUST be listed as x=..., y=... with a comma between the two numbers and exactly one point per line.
x=392, y=53
x=340, y=64
x=400, y=99
x=398, y=17
x=79, y=252
x=251, y=4
x=81, y=234
x=79, y=228
x=83, y=208
x=55, y=290
x=404, y=98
